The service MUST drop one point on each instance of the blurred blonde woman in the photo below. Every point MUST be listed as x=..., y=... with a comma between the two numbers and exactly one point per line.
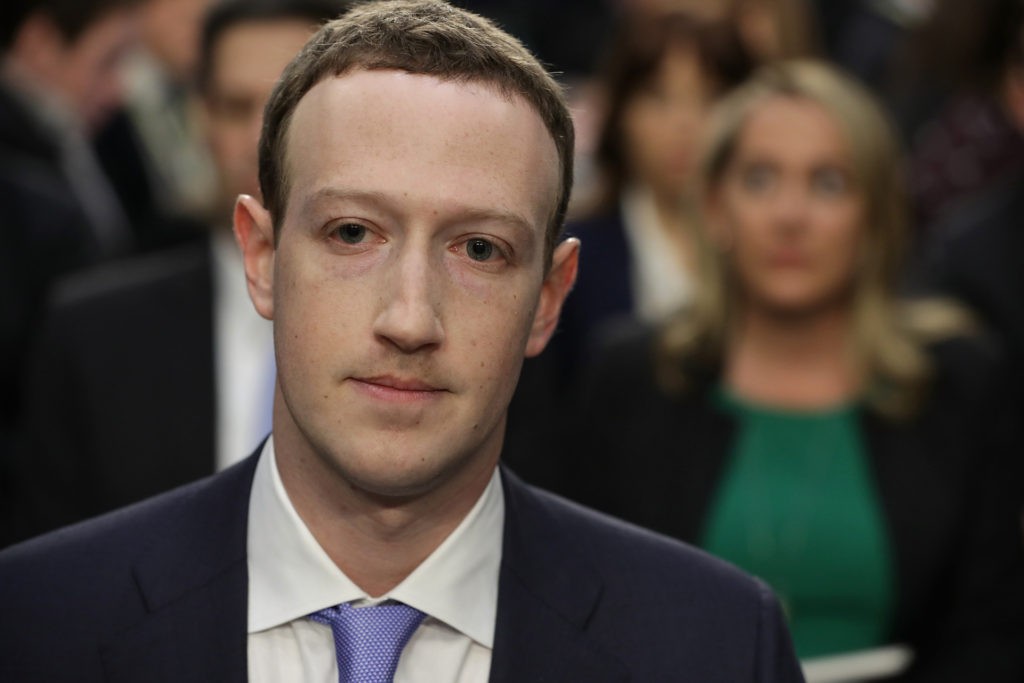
x=800, y=420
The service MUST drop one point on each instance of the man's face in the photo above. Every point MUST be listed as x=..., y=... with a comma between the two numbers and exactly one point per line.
x=409, y=280
x=248, y=58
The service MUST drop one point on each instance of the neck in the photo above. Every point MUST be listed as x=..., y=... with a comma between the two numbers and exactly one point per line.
x=792, y=361
x=671, y=211
x=376, y=540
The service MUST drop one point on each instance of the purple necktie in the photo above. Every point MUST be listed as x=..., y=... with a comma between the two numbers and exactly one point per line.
x=369, y=640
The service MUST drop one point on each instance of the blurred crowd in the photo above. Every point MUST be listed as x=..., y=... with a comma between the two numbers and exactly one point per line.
x=796, y=337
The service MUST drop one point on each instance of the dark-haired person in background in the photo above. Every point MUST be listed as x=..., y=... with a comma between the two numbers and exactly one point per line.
x=661, y=72
x=156, y=371
x=153, y=147
x=59, y=64
x=416, y=163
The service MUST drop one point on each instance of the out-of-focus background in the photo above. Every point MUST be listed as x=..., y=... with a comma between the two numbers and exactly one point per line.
x=784, y=289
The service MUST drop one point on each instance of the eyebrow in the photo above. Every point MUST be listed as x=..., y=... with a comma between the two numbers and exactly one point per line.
x=464, y=214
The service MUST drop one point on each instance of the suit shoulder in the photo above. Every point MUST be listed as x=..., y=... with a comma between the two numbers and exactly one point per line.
x=646, y=560
x=103, y=578
x=970, y=365
x=102, y=550
x=134, y=279
x=626, y=350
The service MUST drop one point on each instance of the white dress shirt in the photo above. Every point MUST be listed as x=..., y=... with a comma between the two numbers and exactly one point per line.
x=243, y=353
x=291, y=576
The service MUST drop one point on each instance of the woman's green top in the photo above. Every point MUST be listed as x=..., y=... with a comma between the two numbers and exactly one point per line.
x=797, y=506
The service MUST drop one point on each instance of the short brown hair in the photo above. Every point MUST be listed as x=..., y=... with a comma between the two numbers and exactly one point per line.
x=425, y=37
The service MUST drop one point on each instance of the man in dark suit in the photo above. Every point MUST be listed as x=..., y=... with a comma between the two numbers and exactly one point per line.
x=99, y=435
x=415, y=164
x=58, y=71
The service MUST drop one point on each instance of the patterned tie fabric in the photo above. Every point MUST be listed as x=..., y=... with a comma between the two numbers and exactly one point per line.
x=369, y=640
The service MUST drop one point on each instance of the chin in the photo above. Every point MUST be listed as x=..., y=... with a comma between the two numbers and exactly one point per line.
x=802, y=305
x=376, y=469
x=397, y=484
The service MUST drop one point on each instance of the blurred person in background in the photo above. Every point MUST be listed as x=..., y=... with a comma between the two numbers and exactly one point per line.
x=163, y=354
x=867, y=37
x=153, y=148
x=953, y=102
x=975, y=251
x=855, y=451
x=777, y=29
x=662, y=70
x=769, y=29
x=566, y=35
x=59, y=63
x=660, y=74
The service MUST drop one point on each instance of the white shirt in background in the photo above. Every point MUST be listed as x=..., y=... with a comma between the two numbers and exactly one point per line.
x=661, y=282
x=243, y=354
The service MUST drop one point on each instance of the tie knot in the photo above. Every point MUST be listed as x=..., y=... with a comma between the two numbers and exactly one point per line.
x=368, y=641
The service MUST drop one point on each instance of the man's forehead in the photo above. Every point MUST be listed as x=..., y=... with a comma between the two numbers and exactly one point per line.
x=359, y=84
x=382, y=112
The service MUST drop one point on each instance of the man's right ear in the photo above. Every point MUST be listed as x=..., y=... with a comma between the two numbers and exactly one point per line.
x=254, y=232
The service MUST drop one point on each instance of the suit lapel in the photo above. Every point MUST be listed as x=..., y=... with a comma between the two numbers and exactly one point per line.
x=194, y=584
x=546, y=596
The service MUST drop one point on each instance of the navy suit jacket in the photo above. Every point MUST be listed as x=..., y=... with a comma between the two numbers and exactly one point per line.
x=158, y=592
x=602, y=293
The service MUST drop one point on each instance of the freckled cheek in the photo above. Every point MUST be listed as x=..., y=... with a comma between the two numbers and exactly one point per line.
x=317, y=311
x=321, y=278
x=489, y=313
x=496, y=303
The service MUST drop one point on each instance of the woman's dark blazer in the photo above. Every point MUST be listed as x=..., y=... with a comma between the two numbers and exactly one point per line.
x=949, y=482
x=603, y=290
x=602, y=295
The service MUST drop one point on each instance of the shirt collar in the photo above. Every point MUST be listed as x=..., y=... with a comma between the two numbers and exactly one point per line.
x=291, y=576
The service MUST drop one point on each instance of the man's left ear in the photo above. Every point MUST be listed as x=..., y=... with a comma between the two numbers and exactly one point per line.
x=556, y=286
x=254, y=232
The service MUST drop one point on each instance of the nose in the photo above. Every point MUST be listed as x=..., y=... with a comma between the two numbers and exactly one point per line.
x=409, y=315
x=790, y=206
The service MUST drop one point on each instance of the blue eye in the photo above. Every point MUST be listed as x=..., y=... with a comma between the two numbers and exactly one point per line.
x=351, y=233
x=479, y=249
x=830, y=182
